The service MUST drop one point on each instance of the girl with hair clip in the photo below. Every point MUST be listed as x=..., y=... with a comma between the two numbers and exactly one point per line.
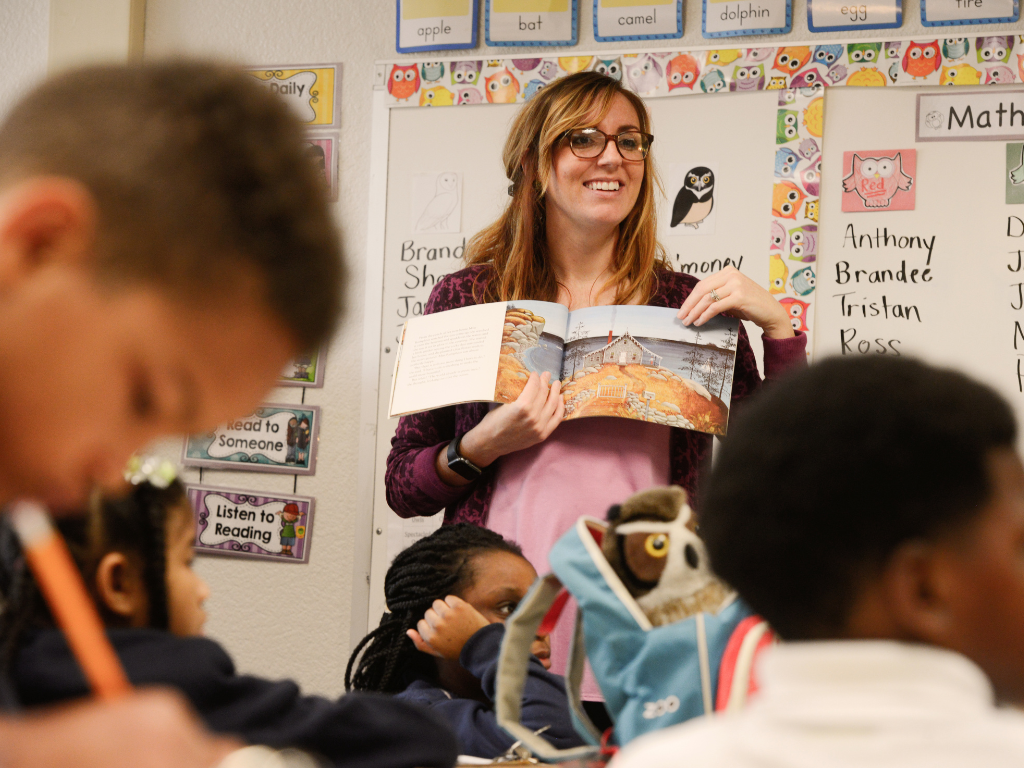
x=448, y=597
x=135, y=553
x=580, y=229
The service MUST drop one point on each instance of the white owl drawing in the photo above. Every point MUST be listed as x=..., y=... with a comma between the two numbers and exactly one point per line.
x=438, y=211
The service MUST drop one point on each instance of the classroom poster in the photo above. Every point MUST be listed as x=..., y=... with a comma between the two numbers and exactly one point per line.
x=637, y=19
x=879, y=180
x=268, y=526
x=276, y=437
x=323, y=153
x=304, y=370
x=691, y=188
x=732, y=18
x=944, y=13
x=531, y=22
x=309, y=90
x=836, y=15
x=435, y=25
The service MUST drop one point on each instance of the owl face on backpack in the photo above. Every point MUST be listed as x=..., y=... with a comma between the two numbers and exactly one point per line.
x=653, y=547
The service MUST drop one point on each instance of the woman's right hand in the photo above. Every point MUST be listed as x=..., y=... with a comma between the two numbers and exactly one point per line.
x=529, y=420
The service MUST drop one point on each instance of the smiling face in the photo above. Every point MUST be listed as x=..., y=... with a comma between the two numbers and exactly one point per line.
x=596, y=191
x=500, y=582
x=93, y=373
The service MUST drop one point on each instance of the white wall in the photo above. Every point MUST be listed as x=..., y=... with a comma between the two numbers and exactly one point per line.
x=279, y=619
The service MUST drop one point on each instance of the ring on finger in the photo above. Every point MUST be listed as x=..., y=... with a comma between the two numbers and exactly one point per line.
x=714, y=295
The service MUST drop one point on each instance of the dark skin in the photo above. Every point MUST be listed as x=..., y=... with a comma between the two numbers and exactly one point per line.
x=500, y=581
x=963, y=590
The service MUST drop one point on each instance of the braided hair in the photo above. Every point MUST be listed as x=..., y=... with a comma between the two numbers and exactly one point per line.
x=134, y=524
x=431, y=569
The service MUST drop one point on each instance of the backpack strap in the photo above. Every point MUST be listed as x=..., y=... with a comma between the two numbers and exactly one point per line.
x=736, y=675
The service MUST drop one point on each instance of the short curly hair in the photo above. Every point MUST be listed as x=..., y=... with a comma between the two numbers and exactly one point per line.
x=828, y=471
x=199, y=174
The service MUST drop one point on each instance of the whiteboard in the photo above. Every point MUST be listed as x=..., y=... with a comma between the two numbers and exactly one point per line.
x=735, y=134
x=965, y=316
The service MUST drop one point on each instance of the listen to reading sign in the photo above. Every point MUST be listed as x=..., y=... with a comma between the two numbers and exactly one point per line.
x=832, y=15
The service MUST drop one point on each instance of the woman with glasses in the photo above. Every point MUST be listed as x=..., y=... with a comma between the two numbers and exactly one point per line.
x=580, y=229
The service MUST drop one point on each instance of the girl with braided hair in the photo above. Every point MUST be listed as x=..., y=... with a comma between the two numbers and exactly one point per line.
x=135, y=554
x=448, y=596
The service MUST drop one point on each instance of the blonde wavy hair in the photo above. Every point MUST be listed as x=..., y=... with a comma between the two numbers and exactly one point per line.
x=515, y=246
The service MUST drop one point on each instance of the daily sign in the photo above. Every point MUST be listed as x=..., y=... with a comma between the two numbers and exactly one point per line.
x=990, y=115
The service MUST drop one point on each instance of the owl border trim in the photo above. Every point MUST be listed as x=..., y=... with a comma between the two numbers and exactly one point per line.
x=474, y=23
x=574, y=9
x=787, y=27
x=622, y=38
x=958, y=22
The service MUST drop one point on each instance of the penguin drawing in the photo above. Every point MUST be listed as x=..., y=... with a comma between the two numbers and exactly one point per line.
x=696, y=199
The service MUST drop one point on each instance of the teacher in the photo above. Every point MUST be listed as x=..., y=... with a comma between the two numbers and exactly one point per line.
x=581, y=230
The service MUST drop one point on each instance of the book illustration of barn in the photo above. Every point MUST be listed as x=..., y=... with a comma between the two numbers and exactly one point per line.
x=624, y=350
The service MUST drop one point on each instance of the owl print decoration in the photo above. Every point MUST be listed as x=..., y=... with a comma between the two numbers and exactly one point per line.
x=1020, y=66
x=785, y=162
x=876, y=178
x=786, y=199
x=756, y=55
x=955, y=47
x=827, y=54
x=786, y=126
x=922, y=59
x=466, y=72
x=525, y=65
x=723, y=57
x=776, y=83
x=610, y=67
x=778, y=234
x=469, y=96
x=643, y=75
x=436, y=97
x=998, y=75
x=778, y=273
x=994, y=49
x=960, y=74
x=811, y=210
x=532, y=88
x=791, y=58
x=809, y=78
x=836, y=74
x=713, y=81
x=810, y=177
x=404, y=81
x=803, y=281
x=892, y=50
x=548, y=69
x=786, y=98
x=501, y=87
x=863, y=53
x=808, y=148
x=797, y=312
x=682, y=72
x=432, y=71
x=803, y=243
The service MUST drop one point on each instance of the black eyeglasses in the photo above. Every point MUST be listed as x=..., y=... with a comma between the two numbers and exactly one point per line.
x=590, y=142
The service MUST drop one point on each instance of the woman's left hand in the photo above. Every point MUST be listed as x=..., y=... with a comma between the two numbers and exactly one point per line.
x=739, y=296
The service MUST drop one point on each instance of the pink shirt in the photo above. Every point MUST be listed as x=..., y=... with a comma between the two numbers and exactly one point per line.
x=584, y=467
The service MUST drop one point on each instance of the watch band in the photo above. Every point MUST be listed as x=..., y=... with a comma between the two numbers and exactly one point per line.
x=459, y=464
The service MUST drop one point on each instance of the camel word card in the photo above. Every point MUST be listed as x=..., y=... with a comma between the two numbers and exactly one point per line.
x=836, y=15
x=945, y=13
x=531, y=22
x=435, y=25
x=274, y=438
x=637, y=19
x=733, y=18
x=309, y=90
x=252, y=524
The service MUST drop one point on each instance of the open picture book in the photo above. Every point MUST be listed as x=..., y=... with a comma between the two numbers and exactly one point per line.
x=627, y=361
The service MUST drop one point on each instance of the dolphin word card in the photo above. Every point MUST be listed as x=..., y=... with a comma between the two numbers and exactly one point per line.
x=435, y=25
x=836, y=15
x=733, y=18
x=531, y=22
x=309, y=90
x=637, y=19
x=269, y=526
x=274, y=438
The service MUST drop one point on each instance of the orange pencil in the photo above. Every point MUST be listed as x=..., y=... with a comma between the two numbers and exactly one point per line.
x=62, y=586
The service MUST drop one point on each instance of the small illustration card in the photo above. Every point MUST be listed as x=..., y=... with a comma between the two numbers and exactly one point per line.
x=252, y=524
x=1015, y=173
x=436, y=200
x=836, y=15
x=946, y=13
x=733, y=18
x=879, y=180
x=632, y=362
x=435, y=25
x=323, y=153
x=531, y=22
x=637, y=19
x=305, y=370
x=276, y=437
x=309, y=90
x=691, y=188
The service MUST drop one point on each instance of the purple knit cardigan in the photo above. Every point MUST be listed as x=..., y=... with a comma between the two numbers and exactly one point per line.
x=411, y=482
